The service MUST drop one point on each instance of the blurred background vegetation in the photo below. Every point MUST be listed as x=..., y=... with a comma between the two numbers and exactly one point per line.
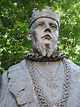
x=14, y=17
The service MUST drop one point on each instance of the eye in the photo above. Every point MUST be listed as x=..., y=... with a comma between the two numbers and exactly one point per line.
x=53, y=25
x=41, y=24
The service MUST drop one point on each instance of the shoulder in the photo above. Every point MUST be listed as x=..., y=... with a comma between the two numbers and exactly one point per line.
x=75, y=72
x=13, y=70
x=17, y=70
x=17, y=66
x=73, y=66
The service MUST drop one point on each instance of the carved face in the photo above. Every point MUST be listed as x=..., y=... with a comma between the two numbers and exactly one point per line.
x=44, y=36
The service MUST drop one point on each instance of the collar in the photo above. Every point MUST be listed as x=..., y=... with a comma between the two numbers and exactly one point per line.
x=58, y=55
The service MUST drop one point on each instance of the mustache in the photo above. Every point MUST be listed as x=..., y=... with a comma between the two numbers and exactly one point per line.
x=47, y=36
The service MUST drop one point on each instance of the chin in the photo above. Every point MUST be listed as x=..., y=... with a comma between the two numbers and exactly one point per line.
x=47, y=42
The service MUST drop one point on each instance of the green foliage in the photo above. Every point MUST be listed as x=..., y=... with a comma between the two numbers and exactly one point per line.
x=14, y=28
x=1, y=70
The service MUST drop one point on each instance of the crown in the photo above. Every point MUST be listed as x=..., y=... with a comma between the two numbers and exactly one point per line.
x=45, y=13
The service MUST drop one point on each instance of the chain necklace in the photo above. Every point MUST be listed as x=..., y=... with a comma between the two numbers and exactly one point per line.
x=40, y=95
x=53, y=78
x=51, y=81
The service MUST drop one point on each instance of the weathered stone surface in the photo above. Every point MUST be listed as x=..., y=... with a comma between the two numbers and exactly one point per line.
x=18, y=89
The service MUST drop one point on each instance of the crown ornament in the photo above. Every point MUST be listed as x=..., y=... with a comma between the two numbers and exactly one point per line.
x=45, y=13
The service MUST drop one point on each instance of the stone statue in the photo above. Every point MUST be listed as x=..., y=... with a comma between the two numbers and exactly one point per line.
x=45, y=78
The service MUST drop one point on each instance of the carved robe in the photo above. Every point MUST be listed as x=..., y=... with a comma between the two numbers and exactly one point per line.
x=17, y=89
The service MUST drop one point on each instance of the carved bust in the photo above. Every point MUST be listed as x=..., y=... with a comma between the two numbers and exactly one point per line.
x=45, y=78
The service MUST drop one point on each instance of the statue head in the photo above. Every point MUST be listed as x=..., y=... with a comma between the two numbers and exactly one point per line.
x=44, y=30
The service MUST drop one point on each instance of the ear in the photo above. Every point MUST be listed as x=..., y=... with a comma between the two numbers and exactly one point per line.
x=58, y=39
x=29, y=36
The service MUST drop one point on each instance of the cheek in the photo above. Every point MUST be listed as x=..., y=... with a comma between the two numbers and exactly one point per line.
x=55, y=35
x=35, y=36
x=39, y=34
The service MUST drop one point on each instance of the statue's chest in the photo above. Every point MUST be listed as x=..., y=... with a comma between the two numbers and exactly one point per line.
x=48, y=80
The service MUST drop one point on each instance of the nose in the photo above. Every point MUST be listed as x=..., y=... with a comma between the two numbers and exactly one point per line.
x=47, y=28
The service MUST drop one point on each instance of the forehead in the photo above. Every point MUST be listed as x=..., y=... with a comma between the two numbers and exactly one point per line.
x=45, y=20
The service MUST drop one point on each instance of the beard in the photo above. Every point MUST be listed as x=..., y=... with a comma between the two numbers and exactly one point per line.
x=45, y=49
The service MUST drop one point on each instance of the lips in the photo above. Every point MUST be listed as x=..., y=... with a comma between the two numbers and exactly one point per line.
x=47, y=36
